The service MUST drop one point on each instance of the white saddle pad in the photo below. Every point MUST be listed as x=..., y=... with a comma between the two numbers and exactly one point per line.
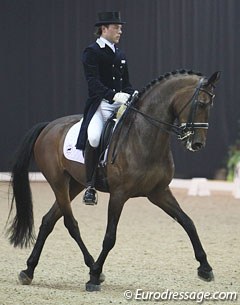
x=69, y=147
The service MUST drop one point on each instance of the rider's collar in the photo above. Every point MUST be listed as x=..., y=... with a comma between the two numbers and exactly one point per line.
x=102, y=42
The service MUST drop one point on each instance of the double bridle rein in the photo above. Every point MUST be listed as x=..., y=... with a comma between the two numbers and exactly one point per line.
x=185, y=130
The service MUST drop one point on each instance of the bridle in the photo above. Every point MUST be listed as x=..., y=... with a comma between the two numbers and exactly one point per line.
x=185, y=130
x=188, y=128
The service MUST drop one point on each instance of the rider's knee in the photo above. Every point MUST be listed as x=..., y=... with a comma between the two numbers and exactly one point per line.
x=94, y=141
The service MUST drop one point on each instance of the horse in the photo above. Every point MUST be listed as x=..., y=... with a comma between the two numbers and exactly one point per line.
x=139, y=162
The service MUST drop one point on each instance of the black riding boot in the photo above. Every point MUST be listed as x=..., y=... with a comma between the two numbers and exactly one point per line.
x=91, y=157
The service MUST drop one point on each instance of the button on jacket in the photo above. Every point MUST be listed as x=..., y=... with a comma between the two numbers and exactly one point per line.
x=106, y=73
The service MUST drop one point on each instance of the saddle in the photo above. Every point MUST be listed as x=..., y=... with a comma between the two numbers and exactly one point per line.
x=105, y=137
x=101, y=177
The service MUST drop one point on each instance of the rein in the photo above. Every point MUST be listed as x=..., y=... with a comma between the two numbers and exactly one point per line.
x=185, y=129
x=156, y=122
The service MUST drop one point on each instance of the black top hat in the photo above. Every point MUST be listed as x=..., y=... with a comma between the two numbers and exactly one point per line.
x=109, y=18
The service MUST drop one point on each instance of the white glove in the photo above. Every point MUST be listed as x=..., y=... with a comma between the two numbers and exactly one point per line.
x=121, y=97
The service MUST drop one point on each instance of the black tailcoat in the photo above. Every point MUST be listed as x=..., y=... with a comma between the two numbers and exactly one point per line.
x=106, y=73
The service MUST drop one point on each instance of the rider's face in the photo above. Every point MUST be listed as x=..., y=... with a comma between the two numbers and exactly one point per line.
x=112, y=32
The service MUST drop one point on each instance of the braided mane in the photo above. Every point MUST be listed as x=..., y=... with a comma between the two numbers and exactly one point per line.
x=166, y=76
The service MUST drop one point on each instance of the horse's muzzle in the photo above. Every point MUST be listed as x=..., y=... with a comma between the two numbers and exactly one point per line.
x=197, y=146
x=194, y=135
x=194, y=144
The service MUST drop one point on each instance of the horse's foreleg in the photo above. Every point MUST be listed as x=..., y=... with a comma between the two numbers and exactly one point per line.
x=48, y=222
x=114, y=211
x=166, y=201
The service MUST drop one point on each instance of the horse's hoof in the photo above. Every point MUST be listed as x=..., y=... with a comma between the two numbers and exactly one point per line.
x=102, y=278
x=92, y=287
x=206, y=275
x=24, y=279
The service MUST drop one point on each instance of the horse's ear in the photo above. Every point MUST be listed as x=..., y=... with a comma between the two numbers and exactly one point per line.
x=213, y=79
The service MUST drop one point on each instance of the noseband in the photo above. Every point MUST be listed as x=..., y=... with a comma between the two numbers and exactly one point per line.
x=185, y=130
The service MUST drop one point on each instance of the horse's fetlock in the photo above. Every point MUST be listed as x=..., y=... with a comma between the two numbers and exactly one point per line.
x=205, y=266
x=89, y=261
x=95, y=271
x=202, y=258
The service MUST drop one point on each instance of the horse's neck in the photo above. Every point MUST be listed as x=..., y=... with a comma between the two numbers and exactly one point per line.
x=157, y=105
x=146, y=125
x=158, y=101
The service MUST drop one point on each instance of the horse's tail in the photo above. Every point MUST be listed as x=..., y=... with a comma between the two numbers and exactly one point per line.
x=21, y=230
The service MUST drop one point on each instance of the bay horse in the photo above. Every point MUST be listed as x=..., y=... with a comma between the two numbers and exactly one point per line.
x=139, y=163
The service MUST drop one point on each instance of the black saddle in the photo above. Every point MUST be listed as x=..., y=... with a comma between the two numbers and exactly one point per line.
x=106, y=136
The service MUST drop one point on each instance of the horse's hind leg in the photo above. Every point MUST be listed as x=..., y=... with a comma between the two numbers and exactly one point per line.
x=48, y=222
x=72, y=225
x=166, y=201
x=64, y=194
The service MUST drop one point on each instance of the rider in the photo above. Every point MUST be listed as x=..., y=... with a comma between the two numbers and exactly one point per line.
x=106, y=72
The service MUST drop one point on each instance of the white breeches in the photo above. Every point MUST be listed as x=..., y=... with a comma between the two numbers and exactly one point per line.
x=96, y=124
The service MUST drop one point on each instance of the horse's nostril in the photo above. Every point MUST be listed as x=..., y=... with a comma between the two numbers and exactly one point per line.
x=197, y=146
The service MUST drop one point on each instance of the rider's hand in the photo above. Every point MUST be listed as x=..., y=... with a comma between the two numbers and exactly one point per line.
x=121, y=97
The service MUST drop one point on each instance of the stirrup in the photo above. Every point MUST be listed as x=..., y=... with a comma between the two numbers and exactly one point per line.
x=90, y=197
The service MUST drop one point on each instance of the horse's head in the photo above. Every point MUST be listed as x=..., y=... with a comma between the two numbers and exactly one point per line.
x=192, y=107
